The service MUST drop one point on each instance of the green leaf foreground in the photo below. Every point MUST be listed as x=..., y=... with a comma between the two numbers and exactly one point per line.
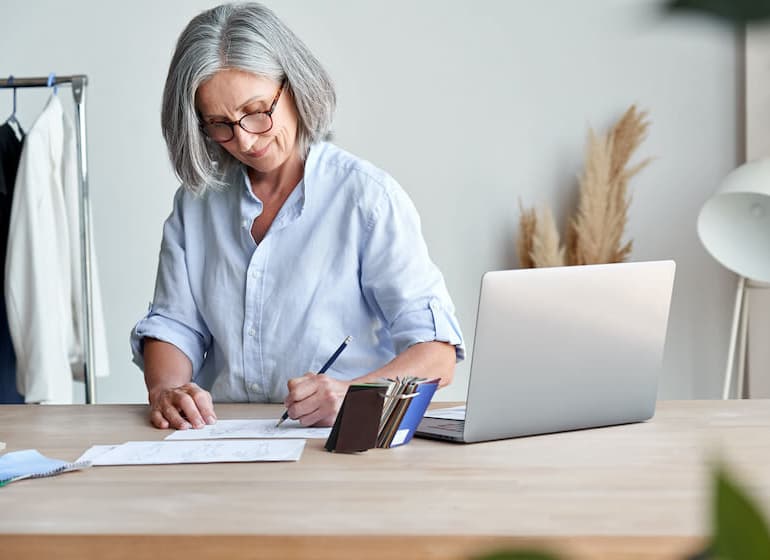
x=735, y=11
x=740, y=530
x=518, y=555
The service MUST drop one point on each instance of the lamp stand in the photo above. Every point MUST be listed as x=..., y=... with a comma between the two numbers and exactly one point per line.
x=738, y=334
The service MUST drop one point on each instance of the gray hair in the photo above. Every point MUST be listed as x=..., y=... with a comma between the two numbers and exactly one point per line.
x=247, y=37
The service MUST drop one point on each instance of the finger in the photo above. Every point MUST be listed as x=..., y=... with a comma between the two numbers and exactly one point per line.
x=321, y=404
x=292, y=385
x=296, y=381
x=205, y=405
x=311, y=418
x=324, y=415
x=190, y=410
x=327, y=394
x=326, y=401
x=301, y=388
x=157, y=419
x=326, y=421
x=299, y=408
x=174, y=418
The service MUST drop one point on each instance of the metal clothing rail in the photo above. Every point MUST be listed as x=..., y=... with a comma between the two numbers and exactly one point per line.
x=78, y=83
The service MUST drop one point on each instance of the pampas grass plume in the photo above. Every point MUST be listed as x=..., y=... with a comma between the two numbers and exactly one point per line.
x=595, y=233
x=545, y=242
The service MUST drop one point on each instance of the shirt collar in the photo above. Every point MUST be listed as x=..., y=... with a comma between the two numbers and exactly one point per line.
x=251, y=205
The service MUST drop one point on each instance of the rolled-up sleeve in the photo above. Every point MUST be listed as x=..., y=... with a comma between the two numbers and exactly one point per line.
x=173, y=316
x=399, y=279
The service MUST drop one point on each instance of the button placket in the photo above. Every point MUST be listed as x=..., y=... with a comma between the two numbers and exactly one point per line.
x=252, y=358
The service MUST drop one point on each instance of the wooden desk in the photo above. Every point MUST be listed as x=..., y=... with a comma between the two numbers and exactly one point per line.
x=635, y=491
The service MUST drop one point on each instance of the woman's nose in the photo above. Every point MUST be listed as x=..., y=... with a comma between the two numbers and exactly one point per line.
x=242, y=138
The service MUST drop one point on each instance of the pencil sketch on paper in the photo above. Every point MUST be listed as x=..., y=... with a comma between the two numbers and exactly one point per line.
x=253, y=428
x=164, y=452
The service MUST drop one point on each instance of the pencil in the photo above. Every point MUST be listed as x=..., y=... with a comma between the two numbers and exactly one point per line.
x=323, y=369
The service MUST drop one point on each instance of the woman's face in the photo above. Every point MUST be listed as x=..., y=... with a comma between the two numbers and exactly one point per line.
x=230, y=95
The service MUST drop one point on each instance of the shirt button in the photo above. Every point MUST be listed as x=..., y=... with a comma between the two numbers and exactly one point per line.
x=255, y=387
x=255, y=274
x=245, y=223
x=252, y=332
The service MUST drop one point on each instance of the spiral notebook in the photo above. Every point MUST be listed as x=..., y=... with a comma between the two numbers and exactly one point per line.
x=30, y=463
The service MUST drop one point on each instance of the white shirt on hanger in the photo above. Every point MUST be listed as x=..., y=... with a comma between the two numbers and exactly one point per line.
x=43, y=282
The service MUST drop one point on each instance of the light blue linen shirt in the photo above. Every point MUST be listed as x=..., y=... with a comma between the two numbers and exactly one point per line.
x=344, y=256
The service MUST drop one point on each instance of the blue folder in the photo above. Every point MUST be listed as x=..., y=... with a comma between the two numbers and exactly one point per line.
x=414, y=413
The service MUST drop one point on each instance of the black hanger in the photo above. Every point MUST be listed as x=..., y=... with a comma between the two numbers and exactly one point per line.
x=12, y=120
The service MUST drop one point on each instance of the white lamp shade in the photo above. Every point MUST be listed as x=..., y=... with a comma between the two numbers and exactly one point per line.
x=734, y=224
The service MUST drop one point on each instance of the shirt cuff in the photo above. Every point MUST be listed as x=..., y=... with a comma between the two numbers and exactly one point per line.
x=431, y=323
x=167, y=330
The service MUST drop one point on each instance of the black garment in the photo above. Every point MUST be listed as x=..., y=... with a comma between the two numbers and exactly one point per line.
x=10, y=154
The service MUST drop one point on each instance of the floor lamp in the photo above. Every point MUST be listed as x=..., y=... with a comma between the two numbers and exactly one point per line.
x=734, y=227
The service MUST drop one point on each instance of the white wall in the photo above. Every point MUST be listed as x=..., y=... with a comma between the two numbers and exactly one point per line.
x=470, y=105
x=758, y=146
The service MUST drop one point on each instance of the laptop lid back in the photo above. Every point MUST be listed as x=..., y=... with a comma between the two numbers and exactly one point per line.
x=567, y=348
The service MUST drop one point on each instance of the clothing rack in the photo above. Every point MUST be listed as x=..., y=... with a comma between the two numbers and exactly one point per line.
x=78, y=83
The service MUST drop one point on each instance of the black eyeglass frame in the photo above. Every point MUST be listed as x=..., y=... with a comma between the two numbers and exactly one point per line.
x=239, y=122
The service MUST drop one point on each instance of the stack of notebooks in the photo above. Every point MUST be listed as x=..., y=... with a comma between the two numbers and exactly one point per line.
x=404, y=405
x=383, y=414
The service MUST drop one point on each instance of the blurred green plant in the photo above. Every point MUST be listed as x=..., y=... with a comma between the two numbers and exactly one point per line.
x=519, y=555
x=739, y=531
x=734, y=11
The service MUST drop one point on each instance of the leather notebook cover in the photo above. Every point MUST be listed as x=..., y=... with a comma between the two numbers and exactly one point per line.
x=358, y=420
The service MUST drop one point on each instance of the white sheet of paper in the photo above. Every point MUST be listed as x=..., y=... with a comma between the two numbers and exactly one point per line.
x=176, y=452
x=451, y=413
x=250, y=429
x=95, y=451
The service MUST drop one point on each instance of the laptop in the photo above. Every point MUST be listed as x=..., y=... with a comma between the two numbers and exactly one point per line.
x=562, y=348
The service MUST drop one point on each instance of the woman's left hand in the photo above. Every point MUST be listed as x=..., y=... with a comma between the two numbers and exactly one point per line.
x=315, y=399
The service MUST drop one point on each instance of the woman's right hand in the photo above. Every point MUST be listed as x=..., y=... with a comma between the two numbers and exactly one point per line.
x=182, y=407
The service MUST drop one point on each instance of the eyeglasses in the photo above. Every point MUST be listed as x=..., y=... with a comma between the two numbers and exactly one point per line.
x=253, y=123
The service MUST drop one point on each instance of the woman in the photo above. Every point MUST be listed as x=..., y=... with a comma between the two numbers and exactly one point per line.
x=279, y=245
